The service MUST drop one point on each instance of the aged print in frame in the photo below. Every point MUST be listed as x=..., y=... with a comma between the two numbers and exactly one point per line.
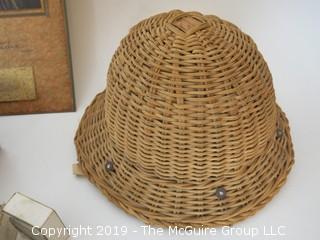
x=35, y=60
x=22, y=7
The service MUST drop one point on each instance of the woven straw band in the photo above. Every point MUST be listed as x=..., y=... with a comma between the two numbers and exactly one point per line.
x=188, y=132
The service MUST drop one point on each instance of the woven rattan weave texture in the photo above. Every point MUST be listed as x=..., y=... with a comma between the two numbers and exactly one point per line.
x=188, y=131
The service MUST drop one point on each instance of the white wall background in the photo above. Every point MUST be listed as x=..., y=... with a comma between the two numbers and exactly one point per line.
x=38, y=150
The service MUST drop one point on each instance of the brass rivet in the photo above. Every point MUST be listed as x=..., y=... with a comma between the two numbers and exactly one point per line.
x=221, y=193
x=109, y=166
x=279, y=132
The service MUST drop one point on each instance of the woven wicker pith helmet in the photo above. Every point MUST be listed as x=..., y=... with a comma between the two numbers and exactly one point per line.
x=187, y=132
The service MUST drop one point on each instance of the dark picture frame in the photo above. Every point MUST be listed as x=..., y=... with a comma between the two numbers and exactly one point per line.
x=22, y=7
x=36, y=79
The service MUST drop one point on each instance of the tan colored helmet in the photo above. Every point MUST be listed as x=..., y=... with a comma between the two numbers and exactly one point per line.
x=187, y=132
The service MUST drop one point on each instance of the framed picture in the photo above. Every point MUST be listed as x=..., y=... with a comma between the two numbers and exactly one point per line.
x=35, y=62
x=22, y=7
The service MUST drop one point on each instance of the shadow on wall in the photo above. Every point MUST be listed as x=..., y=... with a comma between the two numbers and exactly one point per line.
x=82, y=35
